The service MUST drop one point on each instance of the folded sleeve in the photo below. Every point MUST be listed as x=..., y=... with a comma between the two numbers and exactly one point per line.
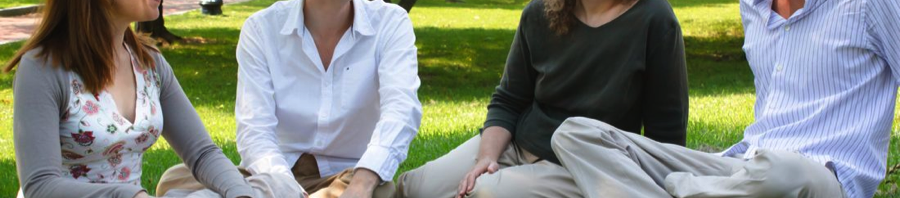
x=401, y=111
x=516, y=90
x=254, y=111
x=665, y=89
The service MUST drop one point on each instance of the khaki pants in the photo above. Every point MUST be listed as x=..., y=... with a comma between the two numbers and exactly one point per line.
x=521, y=174
x=306, y=172
x=602, y=161
x=608, y=162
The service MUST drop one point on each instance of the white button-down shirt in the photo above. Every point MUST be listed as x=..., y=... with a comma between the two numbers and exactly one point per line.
x=826, y=84
x=361, y=112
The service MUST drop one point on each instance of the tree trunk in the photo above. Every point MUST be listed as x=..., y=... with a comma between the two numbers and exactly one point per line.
x=157, y=28
x=405, y=4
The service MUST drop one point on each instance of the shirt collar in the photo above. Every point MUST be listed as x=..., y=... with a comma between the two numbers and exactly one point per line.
x=361, y=21
x=806, y=6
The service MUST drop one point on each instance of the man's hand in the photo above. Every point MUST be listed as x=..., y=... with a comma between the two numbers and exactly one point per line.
x=362, y=185
x=482, y=166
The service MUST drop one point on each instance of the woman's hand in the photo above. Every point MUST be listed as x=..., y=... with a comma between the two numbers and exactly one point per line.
x=482, y=166
x=494, y=140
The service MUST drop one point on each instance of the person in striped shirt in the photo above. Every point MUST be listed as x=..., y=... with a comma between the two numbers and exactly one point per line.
x=826, y=75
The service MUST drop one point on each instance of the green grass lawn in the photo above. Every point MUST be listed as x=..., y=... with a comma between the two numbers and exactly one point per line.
x=17, y=3
x=462, y=50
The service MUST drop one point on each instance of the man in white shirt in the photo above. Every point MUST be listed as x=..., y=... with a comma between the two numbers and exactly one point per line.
x=327, y=94
x=334, y=80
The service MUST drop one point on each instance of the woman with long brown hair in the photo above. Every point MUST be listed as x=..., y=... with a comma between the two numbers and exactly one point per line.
x=91, y=97
x=617, y=61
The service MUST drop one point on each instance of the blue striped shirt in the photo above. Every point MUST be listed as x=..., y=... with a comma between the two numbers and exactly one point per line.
x=826, y=83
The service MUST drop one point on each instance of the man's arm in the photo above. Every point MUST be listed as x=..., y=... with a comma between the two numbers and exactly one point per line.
x=401, y=111
x=884, y=25
x=255, y=107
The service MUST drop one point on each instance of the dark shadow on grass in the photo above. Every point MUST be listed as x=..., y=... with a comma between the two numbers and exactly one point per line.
x=461, y=64
x=454, y=64
x=696, y=3
x=207, y=71
x=476, y=4
x=9, y=181
x=520, y=4
x=717, y=66
x=466, y=64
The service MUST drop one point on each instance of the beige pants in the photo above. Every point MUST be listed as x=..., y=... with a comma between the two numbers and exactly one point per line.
x=608, y=162
x=602, y=161
x=264, y=186
x=306, y=172
x=521, y=174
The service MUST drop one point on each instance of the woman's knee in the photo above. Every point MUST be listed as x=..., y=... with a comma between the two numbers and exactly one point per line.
x=436, y=178
x=408, y=183
x=578, y=129
x=792, y=174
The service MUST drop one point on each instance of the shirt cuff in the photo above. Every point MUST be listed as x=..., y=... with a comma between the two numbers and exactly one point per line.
x=269, y=164
x=380, y=160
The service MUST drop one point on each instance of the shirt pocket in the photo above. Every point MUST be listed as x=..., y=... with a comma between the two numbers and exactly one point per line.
x=359, y=85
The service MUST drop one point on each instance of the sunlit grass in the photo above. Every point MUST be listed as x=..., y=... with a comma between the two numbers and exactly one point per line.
x=17, y=3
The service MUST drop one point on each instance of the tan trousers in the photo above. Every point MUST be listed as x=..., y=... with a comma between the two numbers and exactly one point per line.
x=306, y=172
x=521, y=174
x=608, y=162
x=264, y=185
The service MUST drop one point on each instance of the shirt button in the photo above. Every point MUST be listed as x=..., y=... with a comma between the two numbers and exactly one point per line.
x=787, y=28
x=778, y=67
x=319, y=143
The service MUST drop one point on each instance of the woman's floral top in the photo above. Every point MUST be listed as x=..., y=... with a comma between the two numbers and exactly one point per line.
x=98, y=144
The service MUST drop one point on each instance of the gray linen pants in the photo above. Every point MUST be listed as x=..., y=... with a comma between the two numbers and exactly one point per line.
x=608, y=162
x=521, y=174
x=599, y=160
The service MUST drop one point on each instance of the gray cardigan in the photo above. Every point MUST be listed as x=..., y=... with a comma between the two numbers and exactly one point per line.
x=41, y=91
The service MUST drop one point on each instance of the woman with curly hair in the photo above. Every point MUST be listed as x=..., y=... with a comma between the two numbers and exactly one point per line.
x=617, y=61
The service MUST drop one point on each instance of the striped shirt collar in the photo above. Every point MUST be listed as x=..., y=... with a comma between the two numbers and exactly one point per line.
x=765, y=6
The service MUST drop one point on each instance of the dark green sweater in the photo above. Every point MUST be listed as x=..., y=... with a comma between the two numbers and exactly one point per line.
x=629, y=73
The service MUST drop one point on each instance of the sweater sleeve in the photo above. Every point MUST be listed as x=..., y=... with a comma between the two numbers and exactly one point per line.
x=41, y=94
x=665, y=89
x=186, y=134
x=516, y=90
